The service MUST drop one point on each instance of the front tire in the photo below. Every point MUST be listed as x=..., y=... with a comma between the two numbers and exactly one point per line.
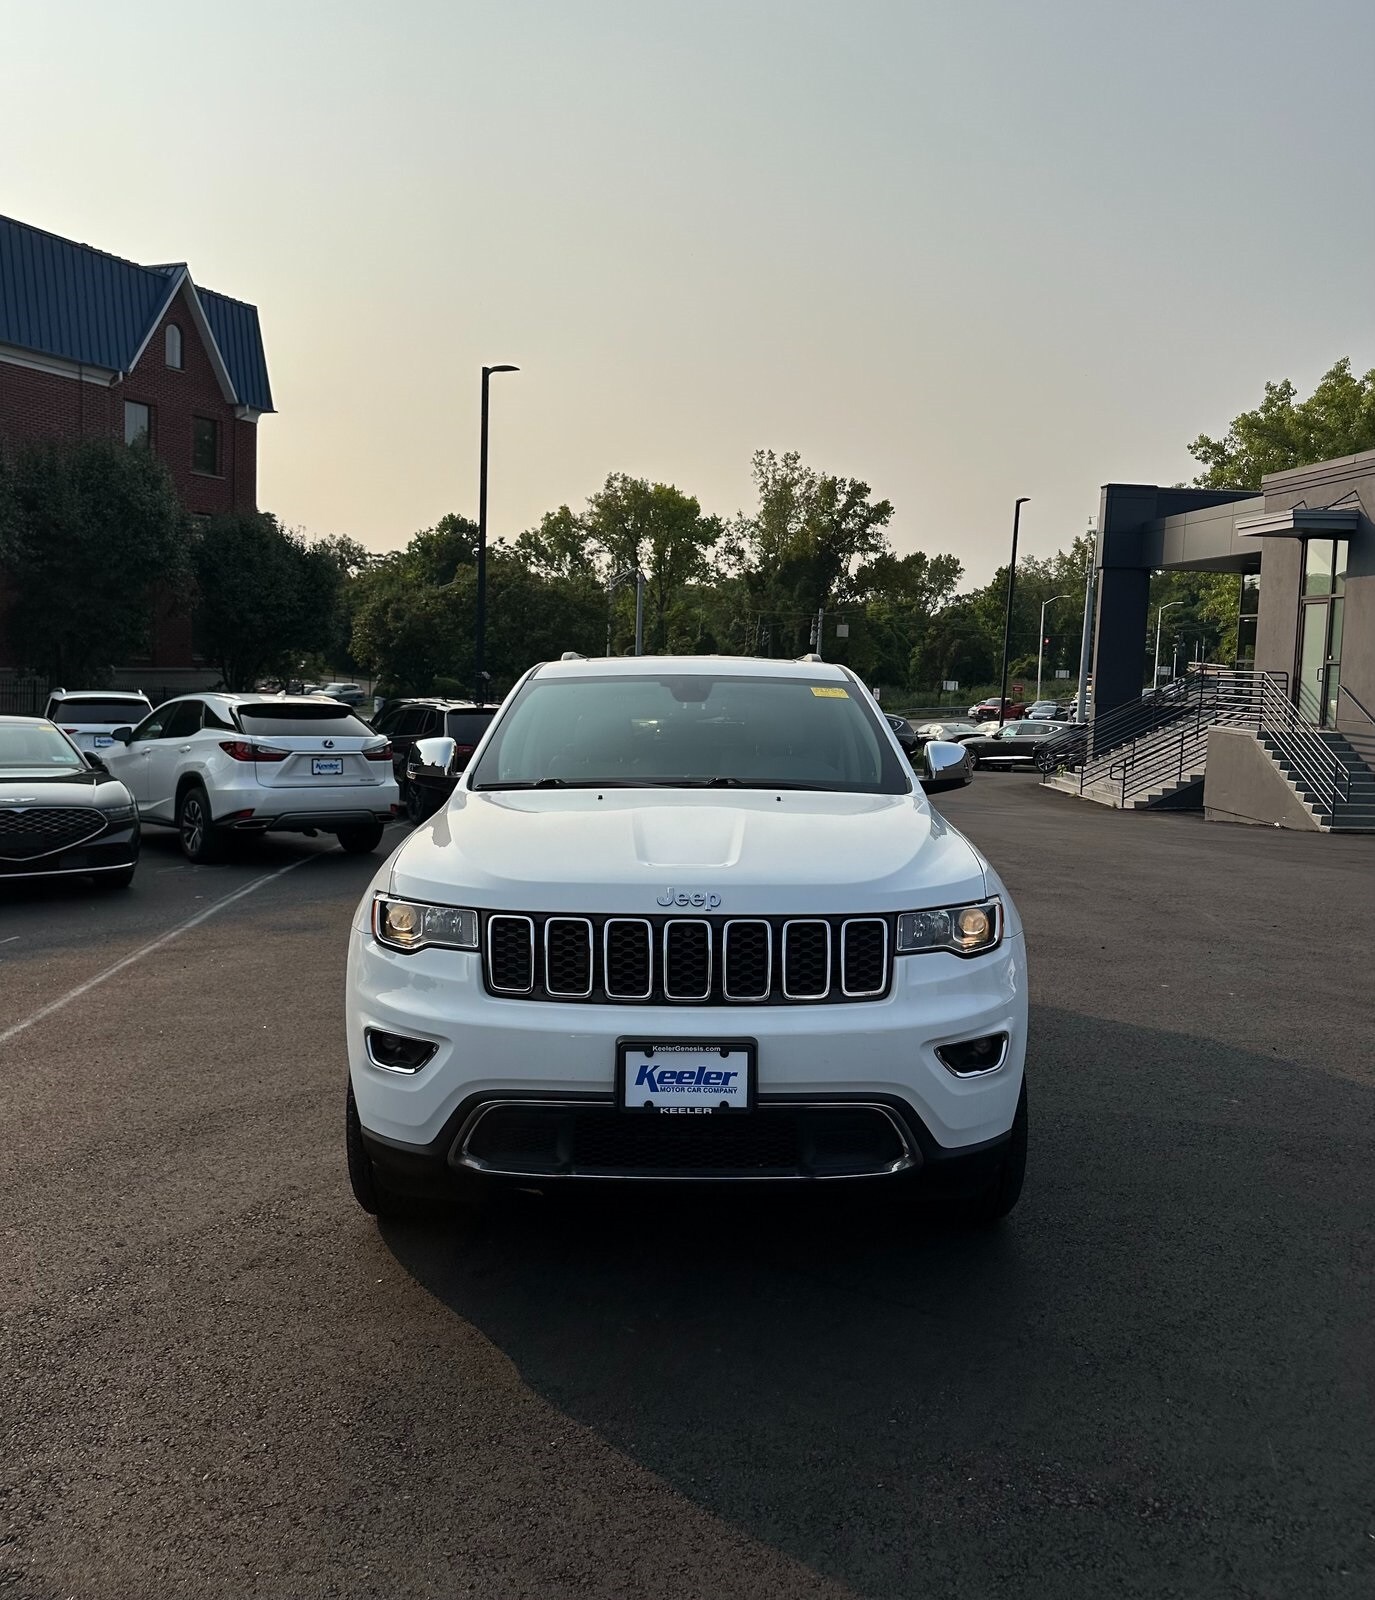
x=368, y=1190
x=1005, y=1190
x=201, y=841
x=362, y=840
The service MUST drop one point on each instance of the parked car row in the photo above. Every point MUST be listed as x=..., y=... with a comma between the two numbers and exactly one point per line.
x=214, y=765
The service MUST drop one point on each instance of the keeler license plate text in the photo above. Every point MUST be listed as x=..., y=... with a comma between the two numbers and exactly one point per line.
x=687, y=1078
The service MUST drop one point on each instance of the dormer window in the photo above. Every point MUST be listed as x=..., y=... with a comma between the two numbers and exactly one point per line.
x=173, y=346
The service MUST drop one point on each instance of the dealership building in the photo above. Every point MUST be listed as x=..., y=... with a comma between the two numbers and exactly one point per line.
x=1286, y=734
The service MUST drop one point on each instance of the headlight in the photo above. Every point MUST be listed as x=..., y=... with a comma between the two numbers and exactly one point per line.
x=413, y=925
x=964, y=930
x=120, y=813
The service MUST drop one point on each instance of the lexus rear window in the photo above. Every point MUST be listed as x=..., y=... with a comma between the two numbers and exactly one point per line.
x=467, y=727
x=322, y=719
x=99, y=713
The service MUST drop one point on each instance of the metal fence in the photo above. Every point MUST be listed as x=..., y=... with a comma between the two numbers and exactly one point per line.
x=22, y=697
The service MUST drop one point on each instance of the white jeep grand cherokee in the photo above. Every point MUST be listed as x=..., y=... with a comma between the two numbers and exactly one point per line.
x=688, y=918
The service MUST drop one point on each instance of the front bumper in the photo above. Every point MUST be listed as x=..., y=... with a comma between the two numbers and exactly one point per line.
x=873, y=1053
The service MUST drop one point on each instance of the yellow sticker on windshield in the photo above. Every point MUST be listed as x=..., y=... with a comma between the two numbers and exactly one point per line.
x=830, y=694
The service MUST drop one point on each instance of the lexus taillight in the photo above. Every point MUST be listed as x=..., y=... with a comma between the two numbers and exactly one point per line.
x=379, y=752
x=246, y=750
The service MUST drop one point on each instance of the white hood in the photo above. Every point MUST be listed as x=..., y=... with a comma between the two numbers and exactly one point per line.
x=624, y=850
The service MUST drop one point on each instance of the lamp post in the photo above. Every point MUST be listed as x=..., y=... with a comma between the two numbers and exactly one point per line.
x=480, y=624
x=1155, y=679
x=1007, y=621
x=1041, y=637
x=638, y=578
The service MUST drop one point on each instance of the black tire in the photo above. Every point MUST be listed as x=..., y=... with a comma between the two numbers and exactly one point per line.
x=417, y=807
x=973, y=758
x=368, y=1190
x=201, y=841
x=362, y=840
x=1046, y=761
x=1005, y=1190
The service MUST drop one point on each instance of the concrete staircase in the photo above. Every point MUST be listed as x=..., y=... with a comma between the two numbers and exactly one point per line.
x=1353, y=815
x=1178, y=794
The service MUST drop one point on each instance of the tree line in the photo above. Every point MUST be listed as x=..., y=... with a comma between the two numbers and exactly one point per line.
x=92, y=541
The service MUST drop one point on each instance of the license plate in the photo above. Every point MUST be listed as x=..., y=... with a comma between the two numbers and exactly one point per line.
x=699, y=1077
x=102, y=742
x=326, y=767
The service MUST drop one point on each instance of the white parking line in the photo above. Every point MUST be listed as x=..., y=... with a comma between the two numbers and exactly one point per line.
x=147, y=950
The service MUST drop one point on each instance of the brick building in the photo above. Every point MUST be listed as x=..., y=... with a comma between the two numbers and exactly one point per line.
x=95, y=347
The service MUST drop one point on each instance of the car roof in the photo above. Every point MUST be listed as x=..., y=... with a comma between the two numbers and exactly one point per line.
x=7, y=719
x=691, y=666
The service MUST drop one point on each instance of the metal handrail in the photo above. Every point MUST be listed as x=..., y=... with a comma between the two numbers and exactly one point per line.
x=1343, y=690
x=1312, y=758
x=1167, y=735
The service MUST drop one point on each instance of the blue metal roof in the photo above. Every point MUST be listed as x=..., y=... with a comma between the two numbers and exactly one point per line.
x=236, y=331
x=64, y=299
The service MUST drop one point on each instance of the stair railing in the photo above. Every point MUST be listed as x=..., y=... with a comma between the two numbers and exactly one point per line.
x=1315, y=763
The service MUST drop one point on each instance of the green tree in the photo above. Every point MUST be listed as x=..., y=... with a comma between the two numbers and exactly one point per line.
x=265, y=596
x=91, y=538
x=799, y=551
x=1337, y=419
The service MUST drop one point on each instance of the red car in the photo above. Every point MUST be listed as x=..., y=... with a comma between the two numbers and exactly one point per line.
x=987, y=710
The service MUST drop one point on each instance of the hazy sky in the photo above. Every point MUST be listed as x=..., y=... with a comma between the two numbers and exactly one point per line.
x=962, y=249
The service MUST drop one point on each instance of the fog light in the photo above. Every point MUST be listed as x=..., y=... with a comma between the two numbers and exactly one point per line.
x=970, y=1057
x=395, y=1052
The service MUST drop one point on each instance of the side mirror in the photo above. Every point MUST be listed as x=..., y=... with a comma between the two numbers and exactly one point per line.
x=440, y=753
x=947, y=766
x=122, y=735
x=95, y=763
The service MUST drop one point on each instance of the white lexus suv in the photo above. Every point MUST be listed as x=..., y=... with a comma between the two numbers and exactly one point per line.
x=212, y=765
x=688, y=918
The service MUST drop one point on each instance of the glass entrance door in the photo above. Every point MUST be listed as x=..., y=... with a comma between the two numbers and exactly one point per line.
x=1313, y=658
x=1318, y=670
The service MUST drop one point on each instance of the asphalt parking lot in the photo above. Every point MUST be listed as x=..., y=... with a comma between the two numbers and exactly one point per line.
x=1156, y=1380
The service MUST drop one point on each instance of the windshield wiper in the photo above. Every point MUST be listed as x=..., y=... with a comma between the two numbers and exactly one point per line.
x=559, y=783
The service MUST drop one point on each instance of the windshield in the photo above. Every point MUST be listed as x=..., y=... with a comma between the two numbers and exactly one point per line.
x=691, y=730
x=36, y=747
x=100, y=713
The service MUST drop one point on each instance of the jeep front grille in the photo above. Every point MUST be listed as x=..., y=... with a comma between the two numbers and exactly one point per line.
x=687, y=960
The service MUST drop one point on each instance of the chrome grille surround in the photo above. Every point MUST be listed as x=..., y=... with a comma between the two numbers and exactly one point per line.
x=572, y=949
x=602, y=959
x=614, y=927
x=759, y=994
x=700, y=992
x=503, y=927
x=850, y=928
x=794, y=957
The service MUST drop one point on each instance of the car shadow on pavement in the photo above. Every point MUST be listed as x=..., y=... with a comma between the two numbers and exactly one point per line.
x=1152, y=1365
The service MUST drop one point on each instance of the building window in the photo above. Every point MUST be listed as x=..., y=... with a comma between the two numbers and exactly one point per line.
x=172, y=346
x=138, y=424
x=1324, y=566
x=1247, y=616
x=205, y=445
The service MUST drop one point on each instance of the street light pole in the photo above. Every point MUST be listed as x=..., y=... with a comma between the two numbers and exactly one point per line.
x=1007, y=621
x=480, y=622
x=1086, y=640
x=1155, y=679
x=1041, y=637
